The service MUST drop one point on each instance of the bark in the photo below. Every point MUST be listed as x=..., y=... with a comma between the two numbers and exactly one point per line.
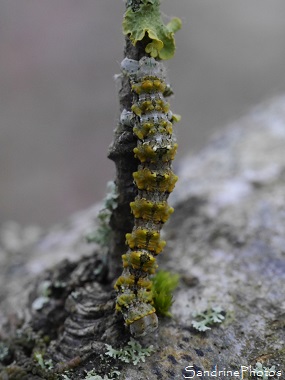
x=225, y=239
x=121, y=152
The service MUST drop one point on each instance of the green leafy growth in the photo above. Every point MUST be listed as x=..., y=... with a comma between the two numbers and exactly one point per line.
x=132, y=353
x=44, y=292
x=92, y=375
x=4, y=351
x=208, y=318
x=44, y=364
x=164, y=284
x=146, y=22
x=103, y=233
x=262, y=372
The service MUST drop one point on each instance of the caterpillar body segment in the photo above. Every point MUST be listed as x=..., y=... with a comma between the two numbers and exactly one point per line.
x=151, y=121
x=140, y=260
x=152, y=180
x=148, y=239
x=162, y=150
x=157, y=211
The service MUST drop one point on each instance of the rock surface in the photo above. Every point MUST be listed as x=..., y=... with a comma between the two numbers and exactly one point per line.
x=227, y=241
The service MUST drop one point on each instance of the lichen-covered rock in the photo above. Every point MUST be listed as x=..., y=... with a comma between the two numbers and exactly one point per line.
x=226, y=239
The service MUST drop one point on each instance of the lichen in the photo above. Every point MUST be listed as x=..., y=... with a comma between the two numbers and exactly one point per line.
x=208, y=318
x=132, y=353
x=145, y=21
x=44, y=364
x=262, y=372
x=103, y=233
x=92, y=375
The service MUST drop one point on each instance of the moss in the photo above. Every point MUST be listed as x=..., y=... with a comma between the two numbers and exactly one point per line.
x=164, y=284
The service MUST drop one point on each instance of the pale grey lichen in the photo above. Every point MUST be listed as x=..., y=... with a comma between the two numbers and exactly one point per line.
x=208, y=318
x=4, y=351
x=92, y=375
x=103, y=233
x=132, y=353
x=263, y=372
x=44, y=292
x=44, y=364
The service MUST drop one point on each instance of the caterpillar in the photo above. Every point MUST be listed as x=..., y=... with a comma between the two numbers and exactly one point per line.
x=151, y=121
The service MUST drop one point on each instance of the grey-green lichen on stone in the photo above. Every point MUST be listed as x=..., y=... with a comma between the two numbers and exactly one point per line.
x=133, y=352
x=103, y=233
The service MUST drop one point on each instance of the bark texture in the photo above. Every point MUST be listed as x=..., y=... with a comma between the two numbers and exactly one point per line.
x=121, y=152
x=226, y=239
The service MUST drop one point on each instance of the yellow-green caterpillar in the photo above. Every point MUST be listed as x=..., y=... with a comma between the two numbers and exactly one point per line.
x=151, y=121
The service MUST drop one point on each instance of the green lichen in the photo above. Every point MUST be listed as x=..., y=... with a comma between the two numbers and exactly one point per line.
x=164, y=284
x=44, y=292
x=132, y=353
x=4, y=351
x=145, y=21
x=261, y=372
x=92, y=375
x=44, y=364
x=103, y=233
x=208, y=318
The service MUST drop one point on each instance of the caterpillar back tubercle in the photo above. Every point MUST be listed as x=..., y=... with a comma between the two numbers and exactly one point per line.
x=151, y=121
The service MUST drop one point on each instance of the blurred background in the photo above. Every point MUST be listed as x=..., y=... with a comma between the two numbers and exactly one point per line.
x=58, y=99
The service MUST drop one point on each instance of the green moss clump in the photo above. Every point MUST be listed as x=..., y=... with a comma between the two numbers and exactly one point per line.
x=164, y=284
